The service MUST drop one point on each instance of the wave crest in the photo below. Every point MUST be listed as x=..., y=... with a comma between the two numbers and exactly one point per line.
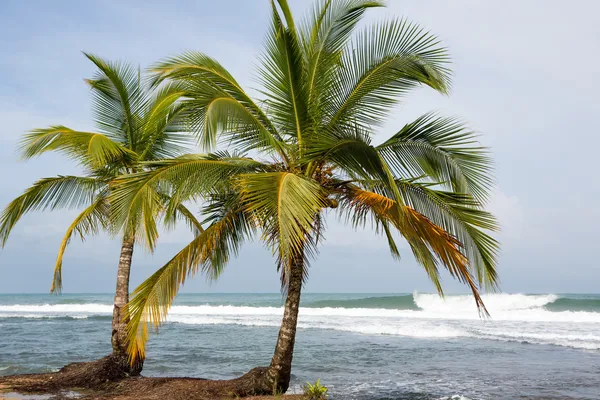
x=515, y=317
x=494, y=302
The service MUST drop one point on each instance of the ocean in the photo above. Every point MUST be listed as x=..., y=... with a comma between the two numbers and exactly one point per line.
x=362, y=346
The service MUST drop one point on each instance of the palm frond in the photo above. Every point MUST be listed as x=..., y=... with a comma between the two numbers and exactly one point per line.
x=351, y=152
x=182, y=213
x=325, y=34
x=462, y=216
x=443, y=149
x=93, y=150
x=89, y=222
x=217, y=112
x=285, y=205
x=459, y=214
x=138, y=198
x=164, y=124
x=209, y=251
x=49, y=193
x=208, y=82
x=429, y=242
x=119, y=99
x=384, y=63
x=281, y=73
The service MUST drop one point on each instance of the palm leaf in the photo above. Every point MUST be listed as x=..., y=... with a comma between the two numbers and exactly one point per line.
x=49, y=193
x=351, y=152
x=119, y=99
x=209, y=251
x=281, y=73
x=324, y=36
x=384, y=63
x=181, y=212
x=208, y=82
x=285, y=206
x=89, y=222
x=429, y=242
x=93, y=150
x=444, y=150
x=136, y=199
x=463, y=217
x=165, y=122
x=217, y=112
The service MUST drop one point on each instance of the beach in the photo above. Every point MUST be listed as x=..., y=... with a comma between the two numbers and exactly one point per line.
x=362, y=346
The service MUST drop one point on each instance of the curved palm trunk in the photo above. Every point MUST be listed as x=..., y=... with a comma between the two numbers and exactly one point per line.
x=279, y=372
x=119, y=333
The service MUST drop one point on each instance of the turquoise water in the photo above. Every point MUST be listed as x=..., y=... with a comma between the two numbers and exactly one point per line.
x=364, y=347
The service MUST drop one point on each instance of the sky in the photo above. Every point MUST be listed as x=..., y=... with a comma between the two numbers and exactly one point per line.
x=525, y=78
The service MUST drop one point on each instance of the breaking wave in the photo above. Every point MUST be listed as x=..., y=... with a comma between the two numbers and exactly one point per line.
x=537, y=319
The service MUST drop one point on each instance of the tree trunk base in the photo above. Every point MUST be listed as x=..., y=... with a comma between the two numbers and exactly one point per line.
x=85, y=379
x=84, y=375
x=258, y=381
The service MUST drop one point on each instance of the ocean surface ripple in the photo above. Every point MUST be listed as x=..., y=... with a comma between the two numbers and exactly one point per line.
x=386, y=346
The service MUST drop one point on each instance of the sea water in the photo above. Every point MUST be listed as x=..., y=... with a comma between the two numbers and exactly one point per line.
x=363, y=347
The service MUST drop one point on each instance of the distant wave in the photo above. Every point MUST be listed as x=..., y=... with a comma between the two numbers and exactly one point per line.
x=547, y=307
x=538, y=319
x=498, y=302
x=572, y=304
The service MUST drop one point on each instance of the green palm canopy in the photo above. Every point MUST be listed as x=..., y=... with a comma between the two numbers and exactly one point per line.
x=326, y=89
x=134, y=124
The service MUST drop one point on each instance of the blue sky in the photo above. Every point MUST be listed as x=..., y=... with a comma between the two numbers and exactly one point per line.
x=525, y=77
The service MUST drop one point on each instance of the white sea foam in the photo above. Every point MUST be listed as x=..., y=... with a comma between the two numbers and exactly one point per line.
x=502, y=307
x=494, y=302
x=515, y=317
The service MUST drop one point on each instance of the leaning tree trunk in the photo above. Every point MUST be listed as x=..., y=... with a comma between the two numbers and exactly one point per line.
x=277, y=376
x=119, y=334
x=275, y=379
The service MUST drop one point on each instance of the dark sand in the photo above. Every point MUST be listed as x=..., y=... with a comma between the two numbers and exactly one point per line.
x=93, y=381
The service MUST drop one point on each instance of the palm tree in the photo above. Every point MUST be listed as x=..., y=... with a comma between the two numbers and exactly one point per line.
x=325, y=91
x=134, y=124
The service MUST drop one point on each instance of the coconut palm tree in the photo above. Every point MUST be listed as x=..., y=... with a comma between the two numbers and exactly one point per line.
x=326, y=88
x=134, y=124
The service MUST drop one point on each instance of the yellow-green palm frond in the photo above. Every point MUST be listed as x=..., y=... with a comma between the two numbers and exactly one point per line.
x=217, y=113
x=49, y=194
x=91, y=220
x=281, y=72
x=182, y=213
x=119, y=99
x=137, y=199
x=213, y=92
x=429, y=242
x=209, y=252
x=93, y=150
x=165, y=123
x=285, y=205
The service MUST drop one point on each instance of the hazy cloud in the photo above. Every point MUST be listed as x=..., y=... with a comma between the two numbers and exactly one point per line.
x=524, y=78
